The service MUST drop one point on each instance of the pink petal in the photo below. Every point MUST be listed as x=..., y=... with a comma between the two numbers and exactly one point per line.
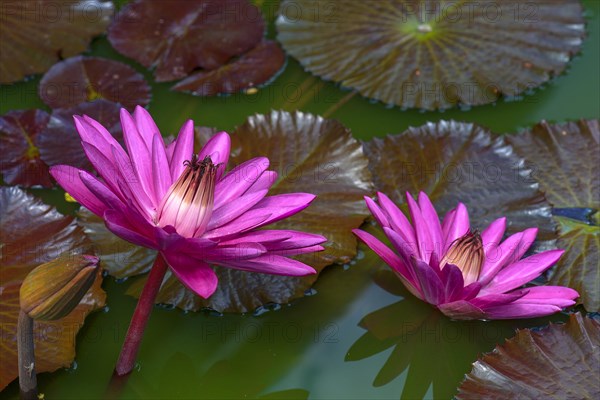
x=458, y=227
x=146, y=126
x=492, y=235
x=433, y=222
x=379, y=216
x=297, y=251
x=497, y=299
x=238, y=180
x=429, y=281
x=234, y=209
x=237, y=252
x=93, y=132
x=160, y=169
x=397, y=219
x=104, y=165
x=68, y=178
x=196, y=275
x=129, y=183
x=274, y=240
x=281, y=206
x=461, y=310
x=522, y=272
x=120, y=226
x=405, y=250
x=100, y=190
x=183, y=148
x=272, y=264
x=453, y=281
x=237, y=226
x=140, y=153
x=424, y=241
x=264, y=182
x=510, y=311
x=217, y=148
x=556, y=295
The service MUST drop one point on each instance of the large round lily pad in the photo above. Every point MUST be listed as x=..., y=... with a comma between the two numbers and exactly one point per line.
x=59, y=142
x=433, y=54
x=564, y=158
x=175, y=37
x=461, y=162
x=33, y=233
x=37, y=33
x=80, y=79
x=254, y=68
x=20, y=161
x=557, y=362
x=310, y=154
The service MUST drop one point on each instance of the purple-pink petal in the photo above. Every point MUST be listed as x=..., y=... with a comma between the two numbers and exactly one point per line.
x=234, y=209
x=424, y=241
x=458, y=226
x=237, y=181
x=160, y=169
x=68, y=178
x=217, y=148
x=557, y=295
x=183, y=148
x=120, y=226
x=146, y=126
x=461, y=310
x=196, y=275
x=429, y=281
x=512, y=310
x=453, y=281
x=397, y=219
x=432, y=220
x=272, y=264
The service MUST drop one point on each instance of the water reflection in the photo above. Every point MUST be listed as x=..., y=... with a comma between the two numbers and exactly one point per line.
x=428, y=349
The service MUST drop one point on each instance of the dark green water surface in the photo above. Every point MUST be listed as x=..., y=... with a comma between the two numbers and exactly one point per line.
x=314, y=347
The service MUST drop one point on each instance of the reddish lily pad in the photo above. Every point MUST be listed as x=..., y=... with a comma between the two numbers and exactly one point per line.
x=564, y=158
x=59, y=142
x=33, y=233
x=36, y=34
x=80, y=79
x=20, y=161
x=254, y=68
x=461, y=162
x=557, y=362
x=433, y=55
x=310, y=154
x=175, y=37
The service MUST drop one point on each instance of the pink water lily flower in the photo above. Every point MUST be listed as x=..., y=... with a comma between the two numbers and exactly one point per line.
x=184, y=205
x=466, y=275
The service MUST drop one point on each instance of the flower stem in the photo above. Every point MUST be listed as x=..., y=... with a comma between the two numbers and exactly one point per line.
x=27, y=377
x=133, y=339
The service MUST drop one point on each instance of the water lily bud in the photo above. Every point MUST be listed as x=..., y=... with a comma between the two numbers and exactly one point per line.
x=54, y=289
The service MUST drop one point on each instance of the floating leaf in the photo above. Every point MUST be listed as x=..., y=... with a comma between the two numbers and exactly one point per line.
x=557, y=362
x=461, y=162
x=254, y=68
x=433, y=55
x=175, y=37
x=36, y=34
x=33, y=233
x=310, y=154
x=59, y=142
x=564, y=158
x=20, y=161
x=80, y=79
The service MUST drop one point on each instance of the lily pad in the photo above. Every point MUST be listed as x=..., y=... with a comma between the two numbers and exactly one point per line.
x=310, y=154
x=175, y=37
x=461, y=162
x=59, y=142
x=557, y=362
x=564, y=158
x=80, y=79
x=252, y=69
x=36, y=34
x=33, y=233
x=20, y=161
x=433, y=55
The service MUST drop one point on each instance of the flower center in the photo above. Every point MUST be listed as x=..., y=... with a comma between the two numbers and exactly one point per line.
x=467, y=254
x=188, y=204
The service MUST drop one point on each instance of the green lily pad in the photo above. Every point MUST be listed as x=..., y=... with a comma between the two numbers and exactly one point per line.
x=462, y=162
x=59, y=142
x=564, y=158
x=557, y=362
x=310, y=154
x=36, y=34
x=254, y=68
x=80, y=79
x=33, y=233
x=175, y=37
x=433, y=55
x=20, y=161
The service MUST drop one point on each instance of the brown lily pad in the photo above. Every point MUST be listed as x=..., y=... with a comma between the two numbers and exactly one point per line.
x=20, y=161
x=36, y=34
x=433, y=55
x=461, y=162
x=59, y=142
x=33, y=233
x=252, y=69
x=557, y=362
x=310, y=154
x=80, y=79
x=175, y=37
x=564, y=158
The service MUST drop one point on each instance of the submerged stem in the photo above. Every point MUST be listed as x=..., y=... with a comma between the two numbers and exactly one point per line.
x=133, y=339
x=27, y=376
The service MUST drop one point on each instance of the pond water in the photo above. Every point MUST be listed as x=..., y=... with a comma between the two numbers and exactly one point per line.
x=313, y=348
